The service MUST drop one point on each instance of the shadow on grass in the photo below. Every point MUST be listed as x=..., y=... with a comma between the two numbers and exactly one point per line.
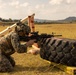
x=20, y=68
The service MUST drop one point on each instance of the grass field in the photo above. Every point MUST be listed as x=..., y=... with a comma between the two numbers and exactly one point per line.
x=28, y=64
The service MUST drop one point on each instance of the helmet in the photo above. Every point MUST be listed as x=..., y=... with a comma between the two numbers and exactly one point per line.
x=22, y=27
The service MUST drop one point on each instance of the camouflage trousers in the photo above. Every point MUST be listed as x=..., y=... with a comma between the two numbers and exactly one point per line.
x=6, y=63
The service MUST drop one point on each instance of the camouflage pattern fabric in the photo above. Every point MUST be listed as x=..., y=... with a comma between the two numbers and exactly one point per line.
x=9, y=45
x=5, y=64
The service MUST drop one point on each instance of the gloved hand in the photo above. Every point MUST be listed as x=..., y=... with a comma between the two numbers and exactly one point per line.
x=30, y=42
x=33, y=51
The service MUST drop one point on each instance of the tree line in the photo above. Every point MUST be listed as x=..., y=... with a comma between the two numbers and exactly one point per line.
x=9, y=20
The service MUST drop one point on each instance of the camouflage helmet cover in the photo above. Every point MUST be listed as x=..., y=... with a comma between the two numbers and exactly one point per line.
x=22, y=27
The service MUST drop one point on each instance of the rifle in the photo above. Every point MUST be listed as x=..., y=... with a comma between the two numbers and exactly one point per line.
x=37, y=36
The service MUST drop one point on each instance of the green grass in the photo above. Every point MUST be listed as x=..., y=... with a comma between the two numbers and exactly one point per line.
x=28, y=64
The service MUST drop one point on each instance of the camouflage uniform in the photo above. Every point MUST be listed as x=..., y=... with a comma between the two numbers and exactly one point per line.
x=10, y=44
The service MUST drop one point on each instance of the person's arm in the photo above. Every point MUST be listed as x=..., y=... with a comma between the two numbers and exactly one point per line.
x=20, y=48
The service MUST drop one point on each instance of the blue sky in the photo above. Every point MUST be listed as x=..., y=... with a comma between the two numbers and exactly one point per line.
x=43, y=9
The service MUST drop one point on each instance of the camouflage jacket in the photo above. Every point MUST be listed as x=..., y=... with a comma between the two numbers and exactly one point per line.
x=11, y=43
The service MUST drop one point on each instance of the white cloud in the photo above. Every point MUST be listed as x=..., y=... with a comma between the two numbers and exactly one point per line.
x=14, y=3
x=24, y=4
x=53, y=2
x=40, y=6
x=57, y=2
x=17, y=4
x=54, y=9
x=68, y=1
x=13, y=9
x=2, y=4
x=37, y=6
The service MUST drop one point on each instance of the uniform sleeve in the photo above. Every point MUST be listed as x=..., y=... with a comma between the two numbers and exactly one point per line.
x=20, y=48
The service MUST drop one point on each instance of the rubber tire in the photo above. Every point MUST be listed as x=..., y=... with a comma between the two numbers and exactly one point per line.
x=61, y=51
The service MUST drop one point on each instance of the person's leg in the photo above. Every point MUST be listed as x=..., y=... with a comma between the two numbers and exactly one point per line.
x=5, y=65
x=11, y=60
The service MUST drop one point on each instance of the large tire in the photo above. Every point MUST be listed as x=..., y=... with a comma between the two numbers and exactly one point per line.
x=61, y=51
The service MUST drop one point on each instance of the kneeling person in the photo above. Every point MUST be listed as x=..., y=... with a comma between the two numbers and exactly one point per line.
x=10, y=44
